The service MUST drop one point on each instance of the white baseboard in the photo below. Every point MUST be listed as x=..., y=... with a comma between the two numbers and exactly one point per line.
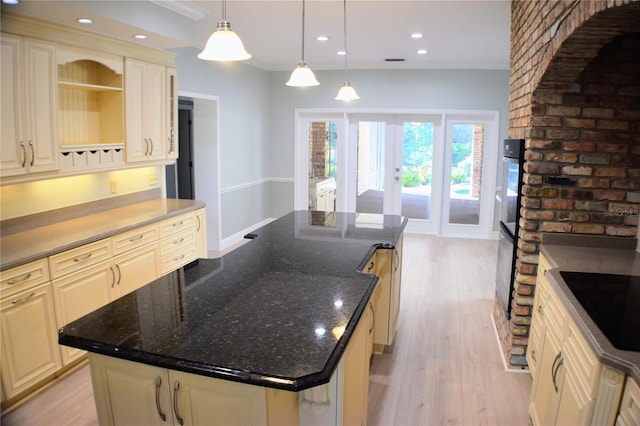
x=238, y=237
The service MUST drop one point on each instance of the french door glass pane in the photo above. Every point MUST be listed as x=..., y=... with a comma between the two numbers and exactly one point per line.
x=371, y=167
x=417, y=162
x=322, y=165
x=466, y=173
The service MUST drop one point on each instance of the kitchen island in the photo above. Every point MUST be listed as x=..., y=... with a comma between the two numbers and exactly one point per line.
x=269, y=332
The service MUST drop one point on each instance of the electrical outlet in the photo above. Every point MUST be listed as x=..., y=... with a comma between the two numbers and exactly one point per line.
x=153, y=179
x=114, y=188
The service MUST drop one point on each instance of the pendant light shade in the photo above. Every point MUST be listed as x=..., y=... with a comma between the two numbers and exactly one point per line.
x=224, y=44
x=302, y=76
x=346, y=93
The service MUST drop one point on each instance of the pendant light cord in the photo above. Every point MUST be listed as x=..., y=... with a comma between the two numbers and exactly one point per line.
x=303, y=7
x=224, y=10
x=346, y=77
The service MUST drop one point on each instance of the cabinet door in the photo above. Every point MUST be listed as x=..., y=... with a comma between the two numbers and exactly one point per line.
x=172, y=113
x=355, y=388
x=630, y=405
x=136, y=268
x=29, y=339
x=79, y=294
x=41, y=96
x=575, y=407
x=137, y=146
x=545, y=395
x=200, y=400
x=14, y=155
x=129, y=393
x=396, y=286
x=155, y=111
x=29, y=106
x=382, y=299
x=201, y=233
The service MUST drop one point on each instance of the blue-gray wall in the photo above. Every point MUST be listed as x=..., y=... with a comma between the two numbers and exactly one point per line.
x=257, y=120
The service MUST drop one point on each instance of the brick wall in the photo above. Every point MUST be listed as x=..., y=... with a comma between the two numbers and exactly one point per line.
x=574, y=98
x=318, y=148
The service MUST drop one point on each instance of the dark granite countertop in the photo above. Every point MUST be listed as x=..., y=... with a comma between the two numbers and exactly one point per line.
x=599, y=255
x=42, y=241
x=277, y=311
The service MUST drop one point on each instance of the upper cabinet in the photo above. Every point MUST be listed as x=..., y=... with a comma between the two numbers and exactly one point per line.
x=75, y=102
x=145, y=93
x=29, y=111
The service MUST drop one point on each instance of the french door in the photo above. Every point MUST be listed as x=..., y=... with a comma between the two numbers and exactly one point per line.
x=438, y=170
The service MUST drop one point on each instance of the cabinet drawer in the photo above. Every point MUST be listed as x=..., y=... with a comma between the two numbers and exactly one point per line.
x=630, y=405
x=134, y=239
x=177, y=224
x=177, y=259
x=177, y=242
x=78, y=258
x=555, y=314
x=23, y=277
x=534, y=350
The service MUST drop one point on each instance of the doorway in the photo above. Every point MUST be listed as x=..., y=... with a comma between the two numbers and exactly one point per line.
x=180, y=177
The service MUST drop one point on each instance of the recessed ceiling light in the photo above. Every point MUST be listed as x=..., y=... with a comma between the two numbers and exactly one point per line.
x=341, y=52
x=85, y=21
x=417, y=35
x=421, y=51
x=10, y=1
x=140, y=36
x=322, y=38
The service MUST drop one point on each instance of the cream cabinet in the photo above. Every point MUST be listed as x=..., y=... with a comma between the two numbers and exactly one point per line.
x=78, y=294
x=386, y=297
x=179, y=243
x=629, y=414
x=570, y=385
x=29, y=339
x=136, y=268
x=172, y=114
x=145, y=101
x=355, y=381
x=132, y=393
x=201, y=233
x=29, y=106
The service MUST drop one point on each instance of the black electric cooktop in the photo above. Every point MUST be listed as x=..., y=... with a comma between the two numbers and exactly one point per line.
x=612, y=302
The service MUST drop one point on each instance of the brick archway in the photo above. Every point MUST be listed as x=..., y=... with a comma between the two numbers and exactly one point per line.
x=575, y=101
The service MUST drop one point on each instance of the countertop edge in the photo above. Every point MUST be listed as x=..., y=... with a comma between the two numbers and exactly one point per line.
x=189, y=205
x=626, y=361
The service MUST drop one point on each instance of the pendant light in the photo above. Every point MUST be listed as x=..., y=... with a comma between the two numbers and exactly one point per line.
x=224, y=44
x=346, y=93
x=302, y=76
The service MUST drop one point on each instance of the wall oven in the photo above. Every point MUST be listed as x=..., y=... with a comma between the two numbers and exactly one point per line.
x=510, y=201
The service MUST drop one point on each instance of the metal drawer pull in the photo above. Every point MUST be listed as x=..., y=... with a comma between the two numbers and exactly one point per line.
x=373, y=319
x=24, y=154
x=151, y=142
x=146, y=143
x=179, y=258
x=119, y=274
x=181, y=240
x=176, y=388
x=14, y=302
x=178, y=223
x=533, y=355
x=113, y=276
x=160, y=413
x=555, y=368
x=397, y=259
x=18, y=281
x=33, y=154
x=83, y=258
x=199, y=224
x=370, y=267
x=136, y=238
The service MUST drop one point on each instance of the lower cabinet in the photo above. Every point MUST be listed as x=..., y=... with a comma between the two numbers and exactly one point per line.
x=80, y=293
x=629, y=414
x=29, y=339
x=136, y=268
x=139, y=394
x=355, y=388
x=387, y=264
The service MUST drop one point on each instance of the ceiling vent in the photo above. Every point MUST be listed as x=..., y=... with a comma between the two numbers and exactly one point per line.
x=394, y=59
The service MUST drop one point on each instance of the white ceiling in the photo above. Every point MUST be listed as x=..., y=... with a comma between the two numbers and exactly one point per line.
x=460, y=34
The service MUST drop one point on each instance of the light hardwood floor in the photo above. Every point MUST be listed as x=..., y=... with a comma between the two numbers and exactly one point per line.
x=444, y=368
